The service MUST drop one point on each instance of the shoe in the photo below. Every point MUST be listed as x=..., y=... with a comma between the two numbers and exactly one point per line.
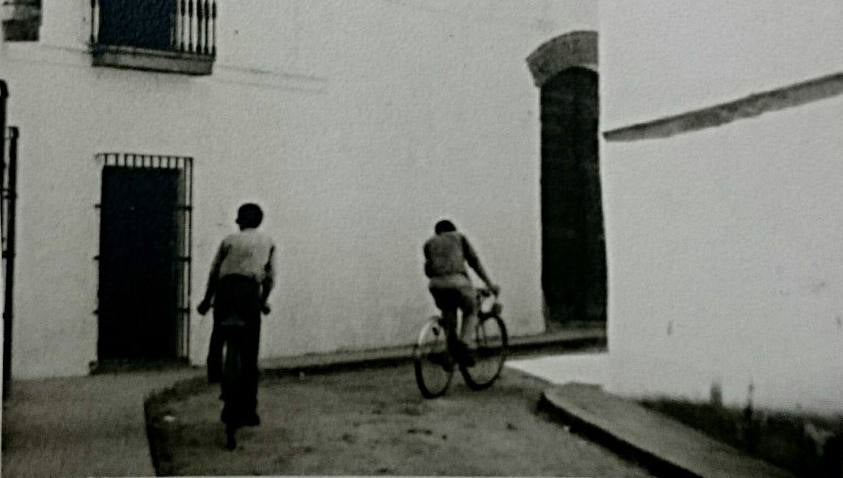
x=464, y=355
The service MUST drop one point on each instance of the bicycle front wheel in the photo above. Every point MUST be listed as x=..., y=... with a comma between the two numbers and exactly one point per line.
x=491, y=342
x=433, y=364
x=232, y=380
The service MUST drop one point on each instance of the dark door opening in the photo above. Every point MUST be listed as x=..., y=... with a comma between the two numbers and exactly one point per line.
x=573, y=246
x=139, y=274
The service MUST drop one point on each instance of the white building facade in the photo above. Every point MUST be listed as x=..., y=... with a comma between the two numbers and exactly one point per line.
x=355, y=125
x=723, y=192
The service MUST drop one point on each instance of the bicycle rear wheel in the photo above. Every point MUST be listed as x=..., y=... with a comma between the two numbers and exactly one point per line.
x=231, y=384
x=433, y=364
x=491, y=342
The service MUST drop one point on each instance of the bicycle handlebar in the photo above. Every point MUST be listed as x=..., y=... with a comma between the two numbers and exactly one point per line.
x=494, y=308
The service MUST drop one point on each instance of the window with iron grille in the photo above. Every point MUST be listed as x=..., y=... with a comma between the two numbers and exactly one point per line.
x=144, y=259
x=8, y=197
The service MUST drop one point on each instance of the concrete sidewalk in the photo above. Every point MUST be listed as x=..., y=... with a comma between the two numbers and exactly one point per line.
x=82, y=426
x=580, y=366
x=664, y=445
x=95, y=425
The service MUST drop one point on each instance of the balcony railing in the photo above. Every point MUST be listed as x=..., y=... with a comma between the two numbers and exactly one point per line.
x=177, y=36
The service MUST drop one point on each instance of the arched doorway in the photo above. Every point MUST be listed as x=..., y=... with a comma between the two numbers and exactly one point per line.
x=573, y=247
x=573, y=244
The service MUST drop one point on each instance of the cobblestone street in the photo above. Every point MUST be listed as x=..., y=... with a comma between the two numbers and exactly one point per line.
x=374, y=421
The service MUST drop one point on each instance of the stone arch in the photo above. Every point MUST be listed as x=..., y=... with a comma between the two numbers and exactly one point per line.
x=574, y=49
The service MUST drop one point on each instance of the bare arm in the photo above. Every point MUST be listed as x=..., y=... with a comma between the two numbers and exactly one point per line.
x=473, y=260
x=427, y=264
x=269, y=277
x=213, y=279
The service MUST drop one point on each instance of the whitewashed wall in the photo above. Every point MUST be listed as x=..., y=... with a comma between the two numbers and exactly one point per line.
x=725, y=264
x=356, y=125
x=667, y=57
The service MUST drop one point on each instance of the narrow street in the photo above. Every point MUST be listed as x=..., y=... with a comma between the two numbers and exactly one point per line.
x=374, y=421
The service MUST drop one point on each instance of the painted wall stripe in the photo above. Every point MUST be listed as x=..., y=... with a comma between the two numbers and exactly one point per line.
x=747, y=107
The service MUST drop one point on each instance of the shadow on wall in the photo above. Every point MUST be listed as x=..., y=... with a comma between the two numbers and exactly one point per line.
x=803, y=444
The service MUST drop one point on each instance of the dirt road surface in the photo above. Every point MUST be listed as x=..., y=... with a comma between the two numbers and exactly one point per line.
x=375, y=422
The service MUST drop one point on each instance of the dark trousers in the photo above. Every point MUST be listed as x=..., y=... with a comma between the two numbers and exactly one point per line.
x=240, y=374
x=215, y=349
x=449, y=301
x=237, y=324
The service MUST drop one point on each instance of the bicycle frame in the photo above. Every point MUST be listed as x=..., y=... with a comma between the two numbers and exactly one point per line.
x=446, y=358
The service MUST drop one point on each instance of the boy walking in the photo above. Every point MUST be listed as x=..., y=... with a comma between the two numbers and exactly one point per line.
x=242, y=276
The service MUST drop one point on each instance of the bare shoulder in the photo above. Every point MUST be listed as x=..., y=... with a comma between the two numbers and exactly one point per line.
x=265, y=238
x=227, y=240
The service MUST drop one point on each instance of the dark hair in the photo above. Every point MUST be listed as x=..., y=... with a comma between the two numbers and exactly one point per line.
x=444, y=226
x=249, y=215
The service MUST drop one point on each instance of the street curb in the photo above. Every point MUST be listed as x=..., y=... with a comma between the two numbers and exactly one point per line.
x=654, y=463
x=568, y=341
x=657, y=442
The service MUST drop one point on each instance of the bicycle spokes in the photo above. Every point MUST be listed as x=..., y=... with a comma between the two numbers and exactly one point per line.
x=489, y=352
x=432, y=361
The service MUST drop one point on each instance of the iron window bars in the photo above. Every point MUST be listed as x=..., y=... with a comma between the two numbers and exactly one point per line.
x=184, y=209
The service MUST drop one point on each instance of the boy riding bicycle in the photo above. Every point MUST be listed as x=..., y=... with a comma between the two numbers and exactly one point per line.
x=446, y=255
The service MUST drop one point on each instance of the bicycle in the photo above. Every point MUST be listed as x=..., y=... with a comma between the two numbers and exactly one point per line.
x=233, y=381
x=434, y=362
